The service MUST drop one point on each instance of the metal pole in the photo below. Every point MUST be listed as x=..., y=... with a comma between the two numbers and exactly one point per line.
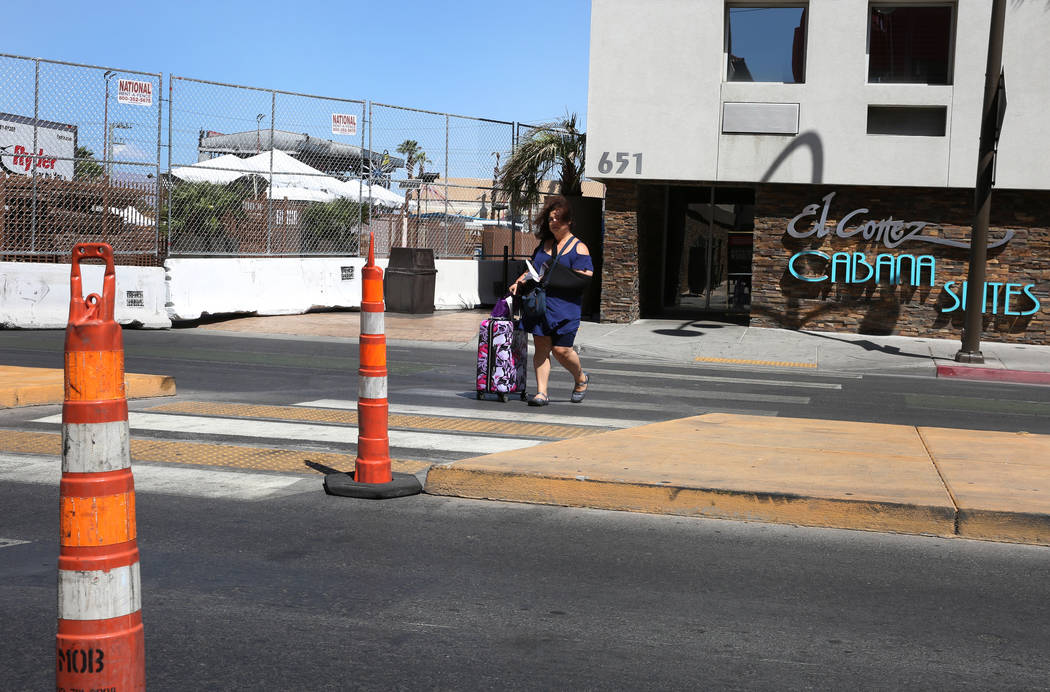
x=975, y=281
x=361, y=183
x=171, y=96
x=269, y=189
x=445, y=218
x=106, y=167
x=156, y=220
x=36, y=115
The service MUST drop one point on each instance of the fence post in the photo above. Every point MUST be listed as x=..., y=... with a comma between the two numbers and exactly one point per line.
x=36, y=117
x=156, y=219
x=171, y=107
x=269, y=188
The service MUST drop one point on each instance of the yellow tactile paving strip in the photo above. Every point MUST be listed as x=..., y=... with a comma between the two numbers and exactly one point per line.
x=744, y=361
x=405, y=422
x=199, y=453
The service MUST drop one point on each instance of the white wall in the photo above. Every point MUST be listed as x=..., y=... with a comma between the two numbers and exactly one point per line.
x=656, y=88
x=285, y=286
x=36, y=295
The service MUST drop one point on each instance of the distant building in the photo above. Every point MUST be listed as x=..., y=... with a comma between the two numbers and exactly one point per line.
x=328, y=156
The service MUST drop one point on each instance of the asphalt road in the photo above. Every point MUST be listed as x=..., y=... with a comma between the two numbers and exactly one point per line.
x=217, y=366
x=299, y=590
x=310, y=592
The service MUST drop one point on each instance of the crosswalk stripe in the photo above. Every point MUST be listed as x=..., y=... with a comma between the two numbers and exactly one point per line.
x=318, y=433
x=523, y=414
x=604, y=387
x=395, y=421
x=168, y=480
x=205, y=453
x=705, y=394
x=593, y=404
x=714, y=378
x=490, y=413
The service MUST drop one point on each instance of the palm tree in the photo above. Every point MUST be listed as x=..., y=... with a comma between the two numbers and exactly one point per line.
x=410, y=148
x=555, y=145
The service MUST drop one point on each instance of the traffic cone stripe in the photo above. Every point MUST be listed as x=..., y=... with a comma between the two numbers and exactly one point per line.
x=90, y=375
x=99, y=594
x=373, y=322
x=93, y=557
x=373, y=351
x=99, y=644
x=371, y=388
x=93, y=447
x=103, y=520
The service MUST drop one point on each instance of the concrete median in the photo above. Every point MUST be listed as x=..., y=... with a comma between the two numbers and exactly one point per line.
x=836, y=474
x=21, y=386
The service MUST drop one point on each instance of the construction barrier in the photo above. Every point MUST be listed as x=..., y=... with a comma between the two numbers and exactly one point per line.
x=372, y=477
x=100, y=643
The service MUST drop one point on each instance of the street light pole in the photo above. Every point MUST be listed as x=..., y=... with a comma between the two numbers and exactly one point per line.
x=975, y=279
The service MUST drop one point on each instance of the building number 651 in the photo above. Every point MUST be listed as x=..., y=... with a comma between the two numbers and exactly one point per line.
x=623, y=158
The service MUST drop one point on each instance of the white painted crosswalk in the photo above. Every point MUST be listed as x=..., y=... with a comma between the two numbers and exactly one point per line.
x=343, y=434
x=428, y=425
x=167, y=480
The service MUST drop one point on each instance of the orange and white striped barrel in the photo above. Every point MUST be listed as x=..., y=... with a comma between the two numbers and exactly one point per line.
x=373, y=438
x=100, y=643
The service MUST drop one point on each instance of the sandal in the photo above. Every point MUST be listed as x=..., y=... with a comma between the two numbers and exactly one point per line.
x=577, y=393
x=539, y=399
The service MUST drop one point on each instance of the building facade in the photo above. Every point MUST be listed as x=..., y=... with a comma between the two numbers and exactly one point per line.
x=811, y=165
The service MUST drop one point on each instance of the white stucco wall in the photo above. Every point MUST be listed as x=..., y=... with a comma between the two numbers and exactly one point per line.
x=285, y=286
x=36, y=295
x=656, y=88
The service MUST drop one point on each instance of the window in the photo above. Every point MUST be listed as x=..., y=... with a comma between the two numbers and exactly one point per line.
x=910, y=44
x=766, y=44
x=915, y=121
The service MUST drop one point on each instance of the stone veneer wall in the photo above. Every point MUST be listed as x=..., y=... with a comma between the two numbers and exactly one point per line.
x=619, y=301
x=781, y=300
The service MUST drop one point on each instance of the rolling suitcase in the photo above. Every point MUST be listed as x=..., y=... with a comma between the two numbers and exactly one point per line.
x=502, y=355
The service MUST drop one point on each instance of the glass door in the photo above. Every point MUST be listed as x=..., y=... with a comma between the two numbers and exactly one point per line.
x=709, y=244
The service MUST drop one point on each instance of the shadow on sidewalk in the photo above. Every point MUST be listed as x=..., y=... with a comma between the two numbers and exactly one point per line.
x=870, y=346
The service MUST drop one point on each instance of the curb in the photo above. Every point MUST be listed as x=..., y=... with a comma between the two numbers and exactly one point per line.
x=742, y=505
x=46, y=386
x=993, y=374
x=756, y=506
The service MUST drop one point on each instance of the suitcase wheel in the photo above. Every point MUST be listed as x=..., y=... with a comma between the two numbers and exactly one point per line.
x=502, y=398
x=478, y=395
x=524, y=396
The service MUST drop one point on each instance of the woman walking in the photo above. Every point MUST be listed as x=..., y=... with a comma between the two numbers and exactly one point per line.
x=555, y=331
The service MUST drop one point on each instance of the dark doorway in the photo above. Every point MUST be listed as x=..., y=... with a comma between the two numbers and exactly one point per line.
x=708, y=242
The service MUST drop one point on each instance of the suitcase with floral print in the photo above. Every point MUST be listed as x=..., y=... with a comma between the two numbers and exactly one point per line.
x=502, y=352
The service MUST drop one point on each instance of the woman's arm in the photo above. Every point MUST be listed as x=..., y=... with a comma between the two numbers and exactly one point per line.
x=581, y=250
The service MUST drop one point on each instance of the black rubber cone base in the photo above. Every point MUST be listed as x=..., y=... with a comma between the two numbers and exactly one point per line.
x=343, y=484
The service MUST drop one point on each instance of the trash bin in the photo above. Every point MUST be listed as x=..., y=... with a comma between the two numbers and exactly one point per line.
x=408, y=285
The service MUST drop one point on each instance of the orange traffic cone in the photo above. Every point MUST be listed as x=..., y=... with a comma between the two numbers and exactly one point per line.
x=372, y=477
x=100, y=643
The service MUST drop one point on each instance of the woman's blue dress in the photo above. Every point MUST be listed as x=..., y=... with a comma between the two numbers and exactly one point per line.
x=563, y=306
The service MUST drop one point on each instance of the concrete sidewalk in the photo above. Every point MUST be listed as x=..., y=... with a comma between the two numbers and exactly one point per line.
x=874, y=477
x=696, y=342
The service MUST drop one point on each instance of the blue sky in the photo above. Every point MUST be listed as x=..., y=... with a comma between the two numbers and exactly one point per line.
x=507, y=61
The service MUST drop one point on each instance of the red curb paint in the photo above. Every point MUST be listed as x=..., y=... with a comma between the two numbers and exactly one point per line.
x=993, y=374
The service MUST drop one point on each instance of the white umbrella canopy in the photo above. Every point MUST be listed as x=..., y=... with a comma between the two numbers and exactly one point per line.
x=292, y=179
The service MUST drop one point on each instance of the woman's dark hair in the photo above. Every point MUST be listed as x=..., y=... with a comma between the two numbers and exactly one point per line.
x=543, y=226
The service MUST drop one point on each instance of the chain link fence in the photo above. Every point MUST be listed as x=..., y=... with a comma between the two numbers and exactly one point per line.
x=248, y=171
x=79, y=160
